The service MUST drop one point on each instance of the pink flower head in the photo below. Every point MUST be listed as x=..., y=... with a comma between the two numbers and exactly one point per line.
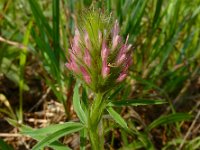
x=99, y=62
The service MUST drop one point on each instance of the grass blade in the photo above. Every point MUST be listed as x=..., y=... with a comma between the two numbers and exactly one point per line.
x=56, y=37
x=172, y=118
x=136, y=102
x=39, y=16
x=22, y=66
x=157, y=12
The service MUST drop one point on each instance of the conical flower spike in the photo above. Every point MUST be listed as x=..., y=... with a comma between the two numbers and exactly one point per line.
x=102, y=60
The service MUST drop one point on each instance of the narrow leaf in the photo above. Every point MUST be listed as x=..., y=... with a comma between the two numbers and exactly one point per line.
x=117, y=118
x=169, y=119
x=23, y=128
x=56, y=135
x=77, y=105
x=135, y=102
x=83, y=139
x=48, y=130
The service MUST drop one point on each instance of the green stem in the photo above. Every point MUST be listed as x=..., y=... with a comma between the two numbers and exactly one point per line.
x=95, y=130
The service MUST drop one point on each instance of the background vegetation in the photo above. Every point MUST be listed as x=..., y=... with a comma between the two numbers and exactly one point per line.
x=37, y=89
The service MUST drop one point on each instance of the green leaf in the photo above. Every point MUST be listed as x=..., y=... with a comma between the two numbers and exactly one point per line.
x=77, y=105
x=83, y=139
x=135, y=102
x=74, y=127
x=39, y=16
x=87, y=2
x=168, y=119
x=29, y=131
x=194, y=143
x=5, y=146
x=146, y=141
x=157, y=12
x=23, y=57
x=47, y=130
x=56, y=37
x=117, y=118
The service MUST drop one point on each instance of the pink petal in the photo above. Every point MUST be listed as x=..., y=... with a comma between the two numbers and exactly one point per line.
x=121, y=77
x=75, y=43
x=86, y=76
x=68, y=65
x=72, y=64
x=116, y=41
x=127, y=64
x=104, y=51
x=105, y=69
x=87, y=58
x=75, y=67
x=116, y=29
x=121, y=59
x=127, y=39
x=87, y=41
x=127, y=48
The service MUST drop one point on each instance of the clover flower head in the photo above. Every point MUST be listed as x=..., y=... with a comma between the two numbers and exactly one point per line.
x=98, y=55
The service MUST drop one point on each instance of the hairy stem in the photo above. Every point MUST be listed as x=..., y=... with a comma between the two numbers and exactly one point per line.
x=94, y=129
